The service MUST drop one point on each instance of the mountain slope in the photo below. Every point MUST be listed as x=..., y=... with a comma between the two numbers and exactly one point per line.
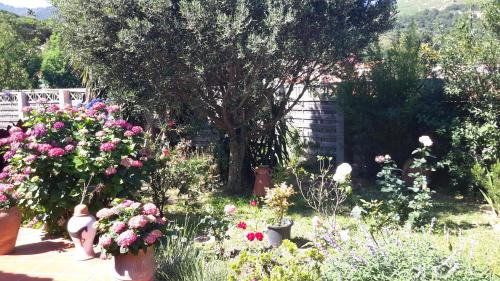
x=40, y=13
x=411, y=7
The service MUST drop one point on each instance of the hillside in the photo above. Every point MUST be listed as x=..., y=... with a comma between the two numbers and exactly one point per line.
x=411, y=7
x=40, y=13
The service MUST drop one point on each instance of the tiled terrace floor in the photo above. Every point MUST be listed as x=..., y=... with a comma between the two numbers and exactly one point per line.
x=35, y=259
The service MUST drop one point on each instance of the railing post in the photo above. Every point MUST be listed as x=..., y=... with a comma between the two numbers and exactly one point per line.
x=22, y=101
x=64, y=98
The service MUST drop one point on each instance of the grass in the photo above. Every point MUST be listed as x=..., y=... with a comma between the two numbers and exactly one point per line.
x=461, y=224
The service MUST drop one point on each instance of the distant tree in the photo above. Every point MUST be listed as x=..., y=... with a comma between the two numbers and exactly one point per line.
x=56, y=69
x=236, y=61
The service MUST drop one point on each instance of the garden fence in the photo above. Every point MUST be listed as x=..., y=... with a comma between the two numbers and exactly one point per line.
x=316, y=116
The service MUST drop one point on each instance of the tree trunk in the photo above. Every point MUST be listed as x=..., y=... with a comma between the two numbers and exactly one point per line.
x=237, y=149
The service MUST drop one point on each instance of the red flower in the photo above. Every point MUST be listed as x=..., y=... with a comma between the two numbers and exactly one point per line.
x=253, y=203
x=170, y=123
x=165, y=152
x=242, y=225
x=251, y=236
x=259, y=236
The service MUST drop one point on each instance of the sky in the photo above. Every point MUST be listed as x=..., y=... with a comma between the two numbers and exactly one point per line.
x=26, y=3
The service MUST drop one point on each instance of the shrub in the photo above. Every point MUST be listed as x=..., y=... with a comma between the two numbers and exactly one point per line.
x=8, y=198
x=327, y=190
x=58, y=152
x=277, y=199
x=283, y=263
x=490, y=181
x=396, y=258
x=409, y=201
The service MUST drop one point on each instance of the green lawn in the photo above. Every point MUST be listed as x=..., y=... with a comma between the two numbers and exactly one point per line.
x=461, y=225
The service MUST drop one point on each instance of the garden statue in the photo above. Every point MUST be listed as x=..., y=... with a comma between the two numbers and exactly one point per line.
x=82, y=231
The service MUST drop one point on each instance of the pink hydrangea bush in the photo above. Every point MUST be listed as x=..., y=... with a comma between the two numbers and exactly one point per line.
x=129, y=226
x=59, y=150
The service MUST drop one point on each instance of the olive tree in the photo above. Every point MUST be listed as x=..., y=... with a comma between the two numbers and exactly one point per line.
x=236, y=61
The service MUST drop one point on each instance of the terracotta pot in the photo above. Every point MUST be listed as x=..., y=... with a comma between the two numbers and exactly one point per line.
x=139, y=267
x=10, y=222
x=262, y=179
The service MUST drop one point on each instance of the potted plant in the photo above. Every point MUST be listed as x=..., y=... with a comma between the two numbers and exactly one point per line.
x=10, y=218
x=277, y=199
x=129, y=231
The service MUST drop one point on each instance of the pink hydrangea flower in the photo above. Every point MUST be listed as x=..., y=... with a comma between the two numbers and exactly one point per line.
x=18, y=136
x=161, y=221
x=27, y=170
x=128, y=134
x=137, y=164
x=7, y=169
x=137, y=129
x=150, y=209
x=153, y=236
x=5, y=187
x=105, y=213
x=39, y=130
x=33, y=145
x=9, y=154
x=118, y=227
x=107, y=146
x=116, y=141
x=69, y=147
x=126, y=203
x=3, y=197
x=135, y=205
x=109, y=124
x=113, y=108
x=4, y=141
x=121, y=123
x=126, y=238
x=30, y=158
x=4, y=175
x=127, y=162
x=90, y=113
x=105, y=241
x=100, y=134
x=15, y=129
x=53, y=108
x=110, y=171
x=58, y=125
x=99, y=106
x=27, y=109
x=138, y=221
x=56, y=152
x=44, y=147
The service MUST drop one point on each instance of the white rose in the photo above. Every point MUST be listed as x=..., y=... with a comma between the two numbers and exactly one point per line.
x=229, y=209
x=339, y=177
x=425, y=140
x=344, y=169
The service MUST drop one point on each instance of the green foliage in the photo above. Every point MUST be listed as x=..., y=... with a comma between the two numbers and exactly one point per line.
x=470, y=58
x=19, y=52
x=179, y=259
x=73, y=155
x=387, y=109
x=325, y=191
x=397, y=258
x=286, y=262
x=490, y=182
x=55, y=68
x=231, y=60
x=408, y=201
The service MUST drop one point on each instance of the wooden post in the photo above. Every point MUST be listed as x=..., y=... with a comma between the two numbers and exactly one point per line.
x=22, y=101
x=64, y=98
x=339, y=147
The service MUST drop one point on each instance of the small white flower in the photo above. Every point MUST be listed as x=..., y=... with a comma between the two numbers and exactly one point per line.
x=229, y=209
x=316, y=222
x=425, y=140
x=387, y=157
x=344, y=235
x=344, y=169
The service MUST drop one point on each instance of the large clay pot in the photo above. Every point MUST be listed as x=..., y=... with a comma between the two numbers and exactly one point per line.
x=262, y=179
x=10, y=222
x=82, y=232
x=139, y=267
x=276, y=234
